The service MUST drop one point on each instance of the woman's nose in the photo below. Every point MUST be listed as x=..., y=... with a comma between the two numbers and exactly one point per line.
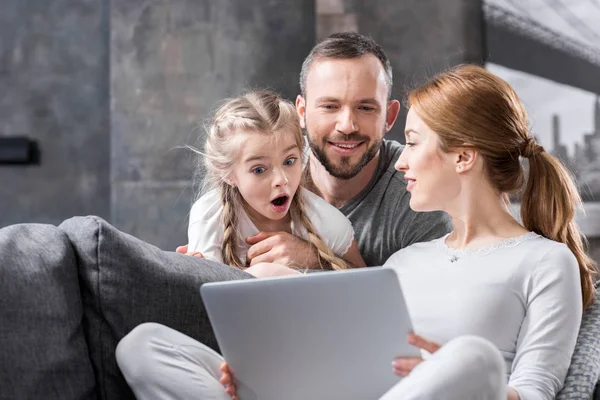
x=401, y=164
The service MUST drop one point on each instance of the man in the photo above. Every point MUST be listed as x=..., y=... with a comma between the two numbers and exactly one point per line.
x=345, y=108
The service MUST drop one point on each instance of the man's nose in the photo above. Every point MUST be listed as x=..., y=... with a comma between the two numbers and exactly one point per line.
x=347, y=122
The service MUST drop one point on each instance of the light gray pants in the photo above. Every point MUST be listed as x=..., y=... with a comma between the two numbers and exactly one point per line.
x=161, y=363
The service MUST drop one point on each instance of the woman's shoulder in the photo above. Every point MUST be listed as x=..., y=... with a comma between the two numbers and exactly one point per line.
x=427, y=249
x=551, y=253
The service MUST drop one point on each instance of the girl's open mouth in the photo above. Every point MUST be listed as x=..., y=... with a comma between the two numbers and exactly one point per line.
x=279, y=204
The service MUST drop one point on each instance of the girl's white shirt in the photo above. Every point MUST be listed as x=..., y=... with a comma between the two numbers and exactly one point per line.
x=206, y=230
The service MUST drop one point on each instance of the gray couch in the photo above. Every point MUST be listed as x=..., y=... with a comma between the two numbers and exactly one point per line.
x=68, y=294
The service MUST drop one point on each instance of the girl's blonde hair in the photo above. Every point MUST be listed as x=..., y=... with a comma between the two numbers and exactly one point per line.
x=469, y=107
x=262, y=112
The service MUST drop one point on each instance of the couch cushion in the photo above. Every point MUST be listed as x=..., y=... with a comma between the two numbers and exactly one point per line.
x=43, y=353
x=585, y=364
x=125, y=281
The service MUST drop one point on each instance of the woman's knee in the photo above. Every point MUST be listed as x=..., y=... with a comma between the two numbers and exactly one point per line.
x=478, y=353
x=135, y=352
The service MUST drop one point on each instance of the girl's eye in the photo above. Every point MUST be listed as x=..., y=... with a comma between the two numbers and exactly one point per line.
x=258, y=170
x=290, y=161
x=410, y=143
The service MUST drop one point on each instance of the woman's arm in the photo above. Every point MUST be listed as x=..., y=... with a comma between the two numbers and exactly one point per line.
x=549, y=331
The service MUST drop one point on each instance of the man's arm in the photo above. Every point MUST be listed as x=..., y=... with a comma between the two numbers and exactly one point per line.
x=281, y=248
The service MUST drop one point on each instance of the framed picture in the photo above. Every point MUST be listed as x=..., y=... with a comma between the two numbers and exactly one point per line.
x=549, y=52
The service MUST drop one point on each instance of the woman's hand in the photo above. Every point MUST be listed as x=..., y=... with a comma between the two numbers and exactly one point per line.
x=227, y=381
x=404, y=365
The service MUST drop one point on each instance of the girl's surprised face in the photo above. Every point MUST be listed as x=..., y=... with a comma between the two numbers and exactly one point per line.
x=267, y=174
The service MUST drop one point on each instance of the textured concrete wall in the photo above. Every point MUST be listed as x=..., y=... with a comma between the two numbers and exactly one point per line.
x=171, y=61
x=423, y=38
x=54, y=89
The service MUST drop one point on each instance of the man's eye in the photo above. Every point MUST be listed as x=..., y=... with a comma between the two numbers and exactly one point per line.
x=290, y=161
x=258, y=170
x=328, y=106
x=367, y=108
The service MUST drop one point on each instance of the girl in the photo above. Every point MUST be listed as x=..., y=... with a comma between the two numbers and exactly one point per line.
x=253, y=172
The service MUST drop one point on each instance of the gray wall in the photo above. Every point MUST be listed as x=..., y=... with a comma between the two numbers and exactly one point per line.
x=171, y=61
x=54, y=88
x=111, y=96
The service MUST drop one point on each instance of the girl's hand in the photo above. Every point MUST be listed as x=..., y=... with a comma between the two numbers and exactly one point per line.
x=227, y=381
x=184, y=250
x=404, y=365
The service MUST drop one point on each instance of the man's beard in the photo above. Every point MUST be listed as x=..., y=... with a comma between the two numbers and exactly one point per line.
x=345, y=170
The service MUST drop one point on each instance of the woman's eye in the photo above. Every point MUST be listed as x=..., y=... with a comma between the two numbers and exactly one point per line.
x=258, y=170
x=410, y=143
x=290, y=161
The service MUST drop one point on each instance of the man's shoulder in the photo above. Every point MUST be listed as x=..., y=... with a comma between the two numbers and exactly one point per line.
x=391, y=150
x=389, y=179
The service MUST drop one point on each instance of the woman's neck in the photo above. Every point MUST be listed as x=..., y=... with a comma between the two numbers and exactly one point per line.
x=481, y=220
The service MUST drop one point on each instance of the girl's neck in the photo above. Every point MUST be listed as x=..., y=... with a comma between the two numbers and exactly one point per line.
x=264, y=224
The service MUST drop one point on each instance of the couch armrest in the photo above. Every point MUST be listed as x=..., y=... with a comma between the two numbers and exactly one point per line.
x=584, y=371
x=125, y=282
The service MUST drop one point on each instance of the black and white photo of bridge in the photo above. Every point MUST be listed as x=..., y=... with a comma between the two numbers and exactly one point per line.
x=549, y=51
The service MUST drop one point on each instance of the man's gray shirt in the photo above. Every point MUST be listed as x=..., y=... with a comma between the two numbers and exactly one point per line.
x=381, y=216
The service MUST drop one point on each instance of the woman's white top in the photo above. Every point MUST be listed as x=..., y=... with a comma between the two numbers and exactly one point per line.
x=206, y=231
x=523, y=294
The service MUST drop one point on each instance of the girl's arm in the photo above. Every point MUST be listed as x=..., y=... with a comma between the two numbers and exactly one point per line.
x=353, y=256
x=512, y=394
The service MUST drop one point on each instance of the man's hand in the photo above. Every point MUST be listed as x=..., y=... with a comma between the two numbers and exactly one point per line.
x=404, y=365
x=281, y=248
x=184, y=250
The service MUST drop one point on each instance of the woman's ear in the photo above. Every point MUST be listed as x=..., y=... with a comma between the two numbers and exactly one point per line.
x=465, y=159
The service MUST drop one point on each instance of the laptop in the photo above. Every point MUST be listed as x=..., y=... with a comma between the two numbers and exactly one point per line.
x=321, y=336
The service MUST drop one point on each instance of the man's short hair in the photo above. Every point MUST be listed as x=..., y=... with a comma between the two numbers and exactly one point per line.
x=342, y=46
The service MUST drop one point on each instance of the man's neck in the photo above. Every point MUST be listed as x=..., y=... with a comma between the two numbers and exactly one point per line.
x=336, y=191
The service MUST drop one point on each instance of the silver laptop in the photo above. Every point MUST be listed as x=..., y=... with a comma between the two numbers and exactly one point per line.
x=323, y=336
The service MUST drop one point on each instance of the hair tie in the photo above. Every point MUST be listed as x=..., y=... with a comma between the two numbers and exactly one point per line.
x=530, y=148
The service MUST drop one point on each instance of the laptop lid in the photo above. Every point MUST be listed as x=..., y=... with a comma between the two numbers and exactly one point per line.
x=328, y=335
